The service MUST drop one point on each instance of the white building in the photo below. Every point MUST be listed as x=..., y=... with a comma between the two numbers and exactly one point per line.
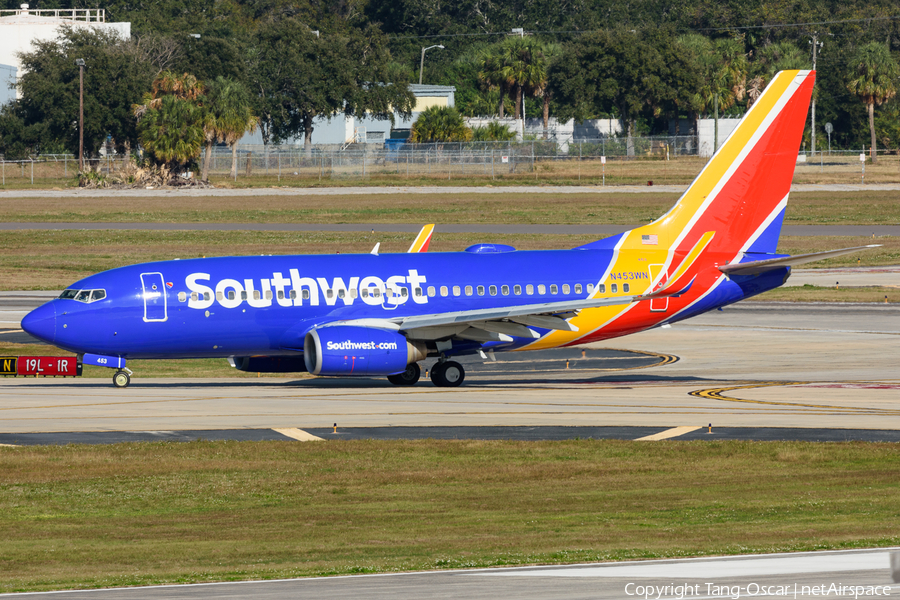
x=706, y=134
x=19, y=29
x=341, y=129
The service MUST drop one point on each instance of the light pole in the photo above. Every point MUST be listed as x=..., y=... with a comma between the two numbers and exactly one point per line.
x=422, y=60
x=80, y=63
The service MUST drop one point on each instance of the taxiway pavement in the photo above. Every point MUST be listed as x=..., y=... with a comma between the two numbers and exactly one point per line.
x=859, y=574
x=756, y=365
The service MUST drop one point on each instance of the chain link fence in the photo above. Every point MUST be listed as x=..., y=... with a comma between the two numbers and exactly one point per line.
x=642, y=156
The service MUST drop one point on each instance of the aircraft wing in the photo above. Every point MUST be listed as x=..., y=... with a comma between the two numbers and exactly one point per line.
x=761, y=266
x=498, y=324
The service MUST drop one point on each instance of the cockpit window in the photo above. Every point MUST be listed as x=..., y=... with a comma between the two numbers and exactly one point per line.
x=86, y=296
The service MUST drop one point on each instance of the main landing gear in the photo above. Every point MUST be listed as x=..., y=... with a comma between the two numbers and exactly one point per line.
x=447, y=374
x=122, y=378
x=408, y=377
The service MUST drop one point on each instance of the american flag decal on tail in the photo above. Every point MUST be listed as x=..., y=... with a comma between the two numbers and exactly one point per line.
x=650, y=240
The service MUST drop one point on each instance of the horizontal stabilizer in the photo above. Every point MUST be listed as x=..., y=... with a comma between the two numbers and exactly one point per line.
x=761, y=266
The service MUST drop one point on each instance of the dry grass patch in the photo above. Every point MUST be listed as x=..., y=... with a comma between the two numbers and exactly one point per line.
x=812, y=293
x=128, y=514
x=887, y=254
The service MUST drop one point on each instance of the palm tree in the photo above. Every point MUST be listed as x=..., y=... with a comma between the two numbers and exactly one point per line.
x=227, y=117
x=724, y=65
x=492, y=76
x=780, y=56
x=171, y=132
x=440, y=124
x=873, y=80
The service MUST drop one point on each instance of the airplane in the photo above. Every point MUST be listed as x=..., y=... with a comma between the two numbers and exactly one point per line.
x=368, y=315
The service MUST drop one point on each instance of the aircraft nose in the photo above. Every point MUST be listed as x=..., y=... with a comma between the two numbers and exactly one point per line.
x=41, y=322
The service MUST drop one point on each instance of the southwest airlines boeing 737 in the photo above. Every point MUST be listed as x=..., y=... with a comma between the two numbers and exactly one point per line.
x=380, y=315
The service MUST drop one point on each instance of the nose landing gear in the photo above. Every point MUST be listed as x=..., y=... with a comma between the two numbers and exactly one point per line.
x=122, y=378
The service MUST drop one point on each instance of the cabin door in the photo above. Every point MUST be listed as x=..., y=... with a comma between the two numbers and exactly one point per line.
x=154, y=297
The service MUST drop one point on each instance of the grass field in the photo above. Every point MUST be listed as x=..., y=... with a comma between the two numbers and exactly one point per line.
x=51, y=260
x=128, y=514
x=805, y=208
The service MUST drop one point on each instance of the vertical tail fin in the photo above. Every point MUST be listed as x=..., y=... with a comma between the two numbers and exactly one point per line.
x=742, y=191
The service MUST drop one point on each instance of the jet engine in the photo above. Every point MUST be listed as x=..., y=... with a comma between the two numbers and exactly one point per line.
x=352, y=350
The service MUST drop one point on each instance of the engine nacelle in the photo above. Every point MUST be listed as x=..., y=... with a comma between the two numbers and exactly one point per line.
x=268, y=364
x=351, y=350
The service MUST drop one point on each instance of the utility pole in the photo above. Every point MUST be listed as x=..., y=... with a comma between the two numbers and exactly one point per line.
x=816, y=44
x=422, y=60
x=80, y=63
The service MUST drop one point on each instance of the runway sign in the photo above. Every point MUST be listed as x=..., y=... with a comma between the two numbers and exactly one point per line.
x=47, y=366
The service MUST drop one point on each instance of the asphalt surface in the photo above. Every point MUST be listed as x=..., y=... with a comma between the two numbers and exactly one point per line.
x=805, y=575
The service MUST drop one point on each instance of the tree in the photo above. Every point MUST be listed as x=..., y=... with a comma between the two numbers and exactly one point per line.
x=172, y=132
x=440, y=124
x=296, y=76
x=493, y=132
x=771, y=59
x=114, y=78
x=173, y=120
x=228, y=117
x=873, y=76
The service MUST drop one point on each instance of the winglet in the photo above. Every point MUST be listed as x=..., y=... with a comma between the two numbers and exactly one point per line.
x=420, y=244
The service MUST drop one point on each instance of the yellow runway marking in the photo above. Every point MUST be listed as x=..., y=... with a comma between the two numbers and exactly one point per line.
x=298, y=434
x=719, y=394
x=668, y=433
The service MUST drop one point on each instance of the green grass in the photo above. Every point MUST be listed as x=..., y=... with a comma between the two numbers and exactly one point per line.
x=130, y=514
x=812, y=293
x=806, y=208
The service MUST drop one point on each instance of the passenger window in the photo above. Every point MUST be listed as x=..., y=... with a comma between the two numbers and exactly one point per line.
x=626, y=287
x=243, y=295
x=444, y=291
x=293, y=294
x=206, y=296
x=590, y=288
x=364, y=292
x=553, y=289
x=268, y=294
x=256, y=295
x=193, y=296
x=418, y=292
x=614, y=288
x=542, y=289
x=376, y=292
x=456, y=290
x=220, y=296
x=281, y=294
x=565, y=288
x=577, y=288
x=341, y=293
x=504, y=290
x=353, y=293
x=305, y=294
x=431, y=291
x=529, y=289
x=404, y=292
x=231, y=294
x=481, y=290
x=493, y=290
x=182, y=296
x=101, y=294
x=517, y=290
x=601, y=288
x=329, y=293
x=468, y=290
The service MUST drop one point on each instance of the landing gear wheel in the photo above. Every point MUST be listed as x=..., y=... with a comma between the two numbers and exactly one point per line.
x=447, y=374
x=121, y=379
x=408, y=377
